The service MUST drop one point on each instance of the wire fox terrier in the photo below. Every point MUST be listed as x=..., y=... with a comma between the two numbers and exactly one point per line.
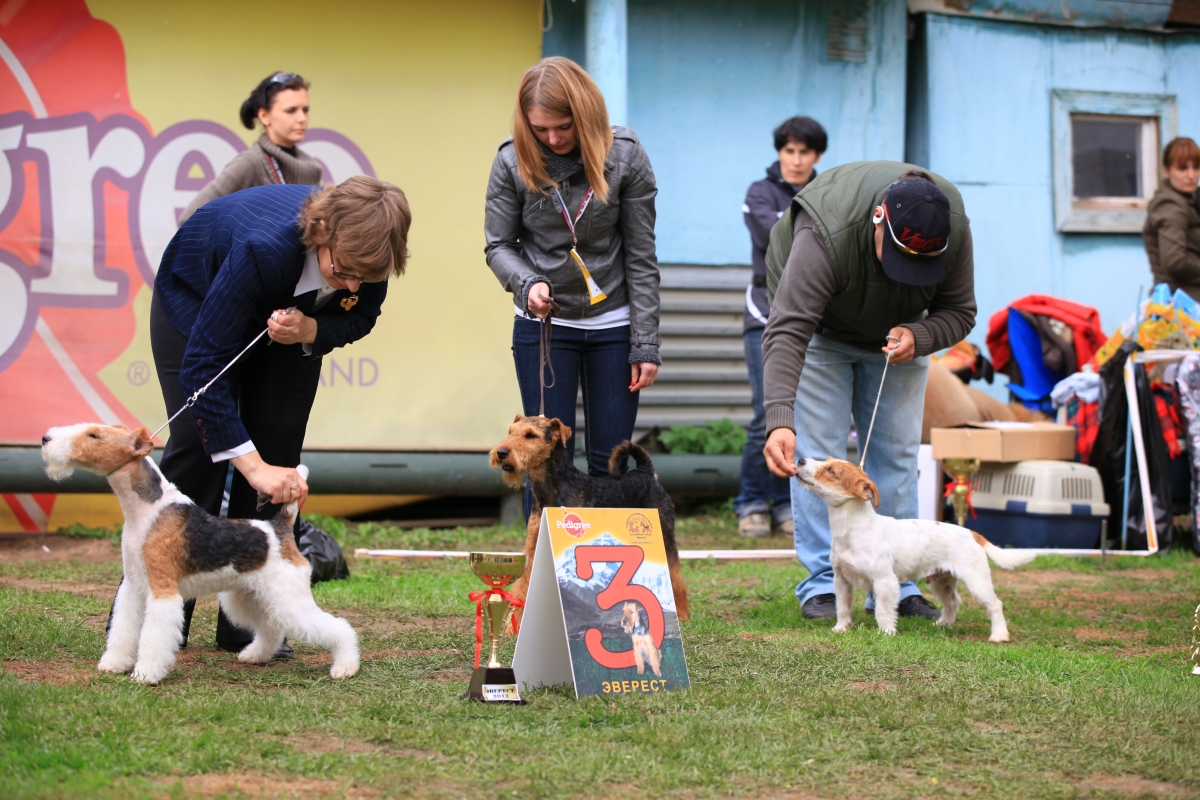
x=874, y=552
x=536, y=446
x=172, y=549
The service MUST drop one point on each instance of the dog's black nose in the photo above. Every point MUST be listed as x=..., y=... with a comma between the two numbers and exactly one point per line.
x=501, y=454
x=46, y=439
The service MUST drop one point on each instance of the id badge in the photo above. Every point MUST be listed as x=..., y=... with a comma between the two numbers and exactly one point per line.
x=594, y=291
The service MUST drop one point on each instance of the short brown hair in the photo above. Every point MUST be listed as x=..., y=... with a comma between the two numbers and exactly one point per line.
x=1179, y=152
x=365, y=220
x=561, y=87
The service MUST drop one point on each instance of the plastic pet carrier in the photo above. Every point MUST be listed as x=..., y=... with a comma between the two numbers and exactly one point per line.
x=1056, y=504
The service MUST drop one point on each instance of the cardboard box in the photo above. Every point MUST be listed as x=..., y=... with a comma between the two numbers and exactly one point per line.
x=1005, y=441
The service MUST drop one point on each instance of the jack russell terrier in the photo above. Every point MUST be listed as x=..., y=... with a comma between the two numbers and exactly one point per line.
x=874, y=552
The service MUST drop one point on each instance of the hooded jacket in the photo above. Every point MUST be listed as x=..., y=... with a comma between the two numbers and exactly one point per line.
x=766, y=200
x=528, y=240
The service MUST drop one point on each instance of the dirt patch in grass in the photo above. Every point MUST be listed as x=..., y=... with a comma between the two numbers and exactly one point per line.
x=374, y=624
x=1034, y=579
x=62, y=548
x=393, y=653
x=871, y=686
x=1115, y=634
x=56, y=673
x=1132, y=786
x=255, y=784
x=102, y=591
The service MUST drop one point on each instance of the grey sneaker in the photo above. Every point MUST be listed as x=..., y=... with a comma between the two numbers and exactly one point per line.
x=754, y=525
x=784, y=527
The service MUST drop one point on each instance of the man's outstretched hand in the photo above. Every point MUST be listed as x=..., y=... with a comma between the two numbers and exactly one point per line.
x=781, y=452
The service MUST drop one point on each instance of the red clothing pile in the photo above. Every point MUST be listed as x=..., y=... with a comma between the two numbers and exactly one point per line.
x=1084, y=322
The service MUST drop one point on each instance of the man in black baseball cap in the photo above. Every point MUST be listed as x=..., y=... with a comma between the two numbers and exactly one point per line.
x=871, y=265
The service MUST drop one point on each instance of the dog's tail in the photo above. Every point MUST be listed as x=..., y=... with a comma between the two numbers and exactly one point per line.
x=623, y=451
x=291, y=511
x=1004, y=559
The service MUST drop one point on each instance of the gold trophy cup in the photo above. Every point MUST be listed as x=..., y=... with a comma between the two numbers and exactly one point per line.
x=493, y=609
x=962, y=470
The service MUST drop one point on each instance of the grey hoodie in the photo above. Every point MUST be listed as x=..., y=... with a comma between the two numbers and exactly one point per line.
x=528, y=240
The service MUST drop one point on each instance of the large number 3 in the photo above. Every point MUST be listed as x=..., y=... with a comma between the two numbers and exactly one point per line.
x=619, y=590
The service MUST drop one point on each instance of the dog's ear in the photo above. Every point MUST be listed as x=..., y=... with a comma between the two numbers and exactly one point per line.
x=560, y=429
x=865, y=489
x=142, y=443
x=120, y=427
x=518, y=417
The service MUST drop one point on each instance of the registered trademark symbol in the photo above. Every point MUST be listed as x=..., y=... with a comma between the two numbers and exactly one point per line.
x=138, y=373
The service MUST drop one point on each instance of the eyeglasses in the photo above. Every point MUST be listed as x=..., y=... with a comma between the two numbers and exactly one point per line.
x=908, y=251
x=283, y=77
x=346, y=276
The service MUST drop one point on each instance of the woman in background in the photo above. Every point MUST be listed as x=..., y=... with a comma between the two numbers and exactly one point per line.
x=1172, y=229
x=570, y=226
x=280, y=104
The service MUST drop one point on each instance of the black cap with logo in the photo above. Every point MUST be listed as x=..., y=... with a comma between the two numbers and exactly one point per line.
x=916, y=232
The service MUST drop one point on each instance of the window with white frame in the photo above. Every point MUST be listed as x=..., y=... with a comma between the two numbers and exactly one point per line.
x=1106, y=155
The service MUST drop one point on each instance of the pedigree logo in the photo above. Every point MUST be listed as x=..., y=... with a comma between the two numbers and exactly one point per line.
x=573, y=525
x=90, y=196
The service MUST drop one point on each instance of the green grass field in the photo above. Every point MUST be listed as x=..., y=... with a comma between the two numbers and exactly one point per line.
x=1092, y=699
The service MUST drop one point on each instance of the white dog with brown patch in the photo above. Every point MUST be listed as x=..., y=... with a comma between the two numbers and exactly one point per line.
x=874, y=552
x=171, y=549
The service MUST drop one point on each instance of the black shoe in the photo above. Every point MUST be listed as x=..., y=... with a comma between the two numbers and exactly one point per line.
x=284, y=653
x=820, y=606
x=915, y=605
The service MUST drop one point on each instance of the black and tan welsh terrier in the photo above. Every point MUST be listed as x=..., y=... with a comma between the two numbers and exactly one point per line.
x=536, y=446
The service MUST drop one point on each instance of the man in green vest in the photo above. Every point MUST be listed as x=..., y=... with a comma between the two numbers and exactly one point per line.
x=872, y=258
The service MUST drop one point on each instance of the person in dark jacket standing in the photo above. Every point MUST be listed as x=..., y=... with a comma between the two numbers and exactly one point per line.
x=764, y=504
x=569, y=225
x=877, y=270
x=1172, y=229
x=280, y=105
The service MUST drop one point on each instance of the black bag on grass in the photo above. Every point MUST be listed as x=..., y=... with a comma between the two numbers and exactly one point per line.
x=322, y=551
x=1108, y=456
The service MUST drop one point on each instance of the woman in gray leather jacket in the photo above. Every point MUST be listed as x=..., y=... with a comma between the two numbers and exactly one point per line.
x=280, y=104
x=570, y=233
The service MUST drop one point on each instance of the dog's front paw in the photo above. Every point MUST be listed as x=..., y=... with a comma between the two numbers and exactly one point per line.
x=998, y=637
x=346, y=669
x=150, y=676
x=841, y=627
x=891, y=631
x=111, y=662
x=945, y=623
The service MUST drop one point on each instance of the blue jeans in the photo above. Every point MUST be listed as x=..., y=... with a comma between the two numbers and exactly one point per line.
x=599, y=360
x=839, y=382
x=761, y=492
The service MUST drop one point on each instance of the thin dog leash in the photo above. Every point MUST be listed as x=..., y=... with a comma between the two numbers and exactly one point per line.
x=192, y=400
x=544, y=338
x=882, y=377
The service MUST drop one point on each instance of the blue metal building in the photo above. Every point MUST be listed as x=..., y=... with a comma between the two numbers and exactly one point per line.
x=1048, y=114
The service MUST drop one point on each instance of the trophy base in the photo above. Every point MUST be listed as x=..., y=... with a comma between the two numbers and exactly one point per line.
x=494, y=685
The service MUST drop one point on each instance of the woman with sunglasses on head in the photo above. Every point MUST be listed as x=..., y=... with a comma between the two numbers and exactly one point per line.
x=569, y=225
x=871, y=268
x=309, y=265
x=280, y=105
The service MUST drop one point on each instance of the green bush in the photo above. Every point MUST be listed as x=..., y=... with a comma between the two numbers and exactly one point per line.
x=717, y=438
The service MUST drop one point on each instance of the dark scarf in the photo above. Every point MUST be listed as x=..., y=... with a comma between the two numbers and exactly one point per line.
x=298, y=167
x=560, y=165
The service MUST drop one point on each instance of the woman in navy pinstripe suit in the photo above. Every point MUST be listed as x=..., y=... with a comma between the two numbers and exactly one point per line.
x=321, y=259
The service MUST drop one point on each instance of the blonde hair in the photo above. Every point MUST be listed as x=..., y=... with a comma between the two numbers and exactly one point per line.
x=562, y=88
x=365, y=220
